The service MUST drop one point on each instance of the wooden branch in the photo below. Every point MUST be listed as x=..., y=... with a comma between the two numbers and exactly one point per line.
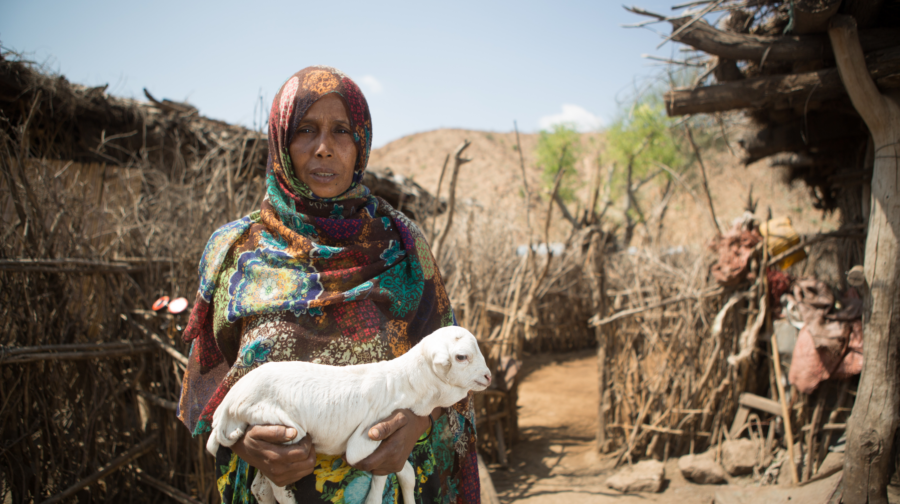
x=135, y=452
x=597, y=321
x=739, y=46
x=7, y=351
x=712, y=209
x=845, y=233
x=458, y=161
x=780, y=91
x=665, y=430
x=68, y=266
x=761, y=403
x=51, y=352
x=565, y=211
x=159, y=401
x=523, y=318
x=165, y=488
x=827, y=427
x=437, y=198
x=686, y=25
x=875, y=417
x=178, y=356
x=686, y=187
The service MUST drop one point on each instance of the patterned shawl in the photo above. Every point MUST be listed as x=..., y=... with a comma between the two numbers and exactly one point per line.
x=339, y=281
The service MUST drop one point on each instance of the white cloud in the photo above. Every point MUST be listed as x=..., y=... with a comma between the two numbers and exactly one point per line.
x=572, y=115
x=370, y=84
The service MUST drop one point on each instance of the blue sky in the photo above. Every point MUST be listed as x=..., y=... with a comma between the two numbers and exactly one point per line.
x=422, y=65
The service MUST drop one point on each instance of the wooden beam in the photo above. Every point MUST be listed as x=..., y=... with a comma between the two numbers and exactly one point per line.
x=739, y=46
x=68, y=266
x=115, y=350
x=876, y=412
x=780, y=91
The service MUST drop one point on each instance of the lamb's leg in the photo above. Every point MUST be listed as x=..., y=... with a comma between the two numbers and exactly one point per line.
x=360, y=446
x=262, y=489
x=407, y=479
x=267, y=493
x=376, y=491
x=282, y=494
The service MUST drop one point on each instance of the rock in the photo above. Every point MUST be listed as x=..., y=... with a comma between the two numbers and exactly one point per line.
x=645, y=476
x=739, y=456
x=702, y=469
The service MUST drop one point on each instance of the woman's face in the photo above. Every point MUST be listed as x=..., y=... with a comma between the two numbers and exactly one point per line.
x=322, y=150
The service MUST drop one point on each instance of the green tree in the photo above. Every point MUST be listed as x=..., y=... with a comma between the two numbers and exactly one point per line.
x=550, y=156
x=638, y=142
x=643, y=138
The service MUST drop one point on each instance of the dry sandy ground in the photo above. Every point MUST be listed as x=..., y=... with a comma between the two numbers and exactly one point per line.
x=555, y=461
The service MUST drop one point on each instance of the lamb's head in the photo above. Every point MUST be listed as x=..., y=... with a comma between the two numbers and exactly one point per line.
x=456, y=358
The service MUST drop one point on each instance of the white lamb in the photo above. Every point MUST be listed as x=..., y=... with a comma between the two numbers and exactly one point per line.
x=337, y=406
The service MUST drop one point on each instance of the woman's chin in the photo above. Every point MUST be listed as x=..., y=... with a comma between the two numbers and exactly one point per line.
x=327, y=190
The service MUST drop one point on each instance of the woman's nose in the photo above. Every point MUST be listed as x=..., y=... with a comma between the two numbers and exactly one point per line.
x=325, y=147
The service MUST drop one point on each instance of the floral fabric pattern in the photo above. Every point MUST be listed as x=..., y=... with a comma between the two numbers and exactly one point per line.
x=339, y=281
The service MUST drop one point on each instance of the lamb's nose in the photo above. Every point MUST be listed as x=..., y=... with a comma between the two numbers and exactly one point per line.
x=488, y=377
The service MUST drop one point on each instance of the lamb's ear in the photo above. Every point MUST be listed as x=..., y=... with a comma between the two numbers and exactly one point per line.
x=440, y=360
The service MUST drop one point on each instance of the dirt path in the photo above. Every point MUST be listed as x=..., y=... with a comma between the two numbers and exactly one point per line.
x=555, y=462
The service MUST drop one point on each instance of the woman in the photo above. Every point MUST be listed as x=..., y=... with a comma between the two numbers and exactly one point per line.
x=328, y=273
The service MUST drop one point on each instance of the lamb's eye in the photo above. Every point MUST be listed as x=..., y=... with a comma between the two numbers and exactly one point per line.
x=460, y=357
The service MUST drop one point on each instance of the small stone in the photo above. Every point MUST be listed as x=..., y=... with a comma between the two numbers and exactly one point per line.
x=739, y=456
x=702, y=469
x=645, y=476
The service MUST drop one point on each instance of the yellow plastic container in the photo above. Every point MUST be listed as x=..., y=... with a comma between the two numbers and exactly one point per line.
x=782, y=236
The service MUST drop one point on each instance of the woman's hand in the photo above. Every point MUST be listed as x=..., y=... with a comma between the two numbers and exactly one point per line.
x=399, y=433
x=263, y=448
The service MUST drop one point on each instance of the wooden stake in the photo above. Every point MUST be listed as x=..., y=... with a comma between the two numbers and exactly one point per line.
x=874, y=420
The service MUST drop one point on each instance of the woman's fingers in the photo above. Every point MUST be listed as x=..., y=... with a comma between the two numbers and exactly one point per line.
x=293, y=469
x=388, y=426
x=399, y=434
x=263, y=447
x=275, y=434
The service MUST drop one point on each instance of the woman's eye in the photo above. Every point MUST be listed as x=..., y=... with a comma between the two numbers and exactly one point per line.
x=461, y=357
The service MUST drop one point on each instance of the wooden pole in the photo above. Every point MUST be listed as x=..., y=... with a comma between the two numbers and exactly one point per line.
x=874, y=419
x=779, y=381
x=595, y=269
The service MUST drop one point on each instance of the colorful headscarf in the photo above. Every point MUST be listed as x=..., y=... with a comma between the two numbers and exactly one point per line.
x=290, y=105
x=343, y=280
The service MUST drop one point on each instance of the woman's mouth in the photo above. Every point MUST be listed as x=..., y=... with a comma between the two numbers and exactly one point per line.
x=323, y=176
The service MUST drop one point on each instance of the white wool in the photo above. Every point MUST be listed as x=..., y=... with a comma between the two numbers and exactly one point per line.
x=337, y=405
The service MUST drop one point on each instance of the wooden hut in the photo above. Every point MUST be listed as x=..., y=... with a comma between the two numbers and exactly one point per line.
x=818, y=80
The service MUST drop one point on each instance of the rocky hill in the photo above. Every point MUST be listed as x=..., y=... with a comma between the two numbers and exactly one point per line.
x=493, y=181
